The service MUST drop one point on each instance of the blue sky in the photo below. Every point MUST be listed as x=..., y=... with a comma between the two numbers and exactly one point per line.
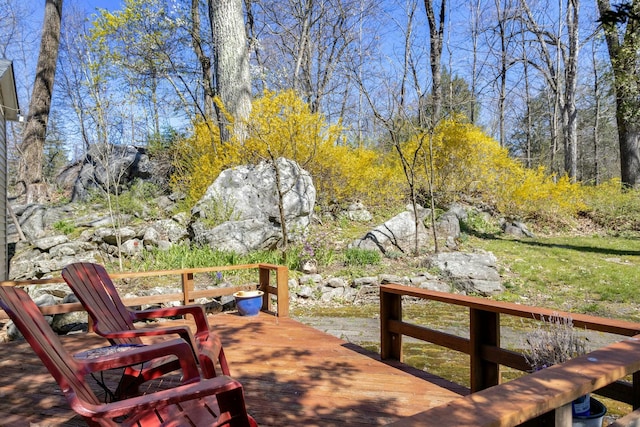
x=101, y=4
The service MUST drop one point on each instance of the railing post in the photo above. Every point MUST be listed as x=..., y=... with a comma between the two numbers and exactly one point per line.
x=282, y=288
x=484, y=330
x=564, y=416
x=390, y=309
x=187, y=287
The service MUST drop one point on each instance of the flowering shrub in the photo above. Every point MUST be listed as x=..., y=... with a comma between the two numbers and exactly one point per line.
x=282, y=125
x=467, y=163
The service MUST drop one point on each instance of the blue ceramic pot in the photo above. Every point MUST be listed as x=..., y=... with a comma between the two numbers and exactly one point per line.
x=248, y=303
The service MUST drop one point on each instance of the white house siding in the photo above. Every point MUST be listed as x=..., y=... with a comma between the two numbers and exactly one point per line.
x=8, y=111
x=4, y=261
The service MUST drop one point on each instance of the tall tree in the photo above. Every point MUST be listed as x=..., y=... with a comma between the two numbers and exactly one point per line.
x=570, y=116
x=203, y=59
x=436, y=35
x=561, y=74
x=30, y=167
x=503, y=17
x=230, y=62
x=622, y=33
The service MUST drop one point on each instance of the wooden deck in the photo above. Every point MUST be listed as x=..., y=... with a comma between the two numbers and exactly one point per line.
x=292, y=374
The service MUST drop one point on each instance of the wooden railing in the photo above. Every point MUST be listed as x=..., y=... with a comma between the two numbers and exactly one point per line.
x=548, y=391
x=275, y=299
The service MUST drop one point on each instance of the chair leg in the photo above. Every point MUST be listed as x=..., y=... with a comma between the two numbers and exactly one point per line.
x=233, y=410
x=208, y=366
x=224, y=367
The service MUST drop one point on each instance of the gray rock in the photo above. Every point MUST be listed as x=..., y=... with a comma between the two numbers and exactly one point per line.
x=70, y=322
x=459, y=211
x=357, y=212
x=435, y=285
x=336, y=282
x=392, y=278
x=69, y=249
x=246, y=200
x=238, y=236
x=132, y=247
x=309, y=266
x=365, y=281
x=517, y=229
x=329, y=294
x=31, y=219
x=163, y=245
x=45, y=299
x=182, y=218
x=469, y=272
x=151, y=237
x=397, y=234
x=46, y=243
x=448, y=226
x=306, y=292
x=102, y=163
x=479, y=286
x=165, y=203
x=306, y=279
x=169, y=229
x=110, y=235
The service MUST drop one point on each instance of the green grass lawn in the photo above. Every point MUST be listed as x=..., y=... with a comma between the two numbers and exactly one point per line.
x=596, y=275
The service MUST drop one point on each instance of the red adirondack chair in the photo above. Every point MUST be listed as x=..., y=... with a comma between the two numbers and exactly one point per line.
x=113, y=320
x=201, y=402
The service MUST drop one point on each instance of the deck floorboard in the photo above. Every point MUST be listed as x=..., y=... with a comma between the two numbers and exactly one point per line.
x=292, y=374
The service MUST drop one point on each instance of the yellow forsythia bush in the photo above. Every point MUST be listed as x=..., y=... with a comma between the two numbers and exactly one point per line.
x=282, y=125
x=199, y=159
x=467, y=161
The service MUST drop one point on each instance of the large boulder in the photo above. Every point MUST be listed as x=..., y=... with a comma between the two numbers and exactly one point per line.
x=35, y=220
x=471, y=273
x=104, y=167
x=397, y=234
x=240, y=210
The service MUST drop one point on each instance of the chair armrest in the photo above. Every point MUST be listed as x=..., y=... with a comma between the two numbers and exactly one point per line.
x=197, y=311
x=136, y=355
x=182, y=331
x=181, y=393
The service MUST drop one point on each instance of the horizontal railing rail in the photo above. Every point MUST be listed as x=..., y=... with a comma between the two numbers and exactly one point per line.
x=275, y=298
x=486, y=354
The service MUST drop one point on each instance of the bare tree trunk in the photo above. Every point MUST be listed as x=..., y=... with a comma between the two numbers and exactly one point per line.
x=623, y=44
x=204, y=60
x=253, y=43
x=475, y=34
x=305, y=39
x=553, y=125
x=436, y=32
x=549, y=69
x=31, y=163
x=503, y=68
x=527, y=91
x=596, y=118
x=231, y=63
x=571, y=77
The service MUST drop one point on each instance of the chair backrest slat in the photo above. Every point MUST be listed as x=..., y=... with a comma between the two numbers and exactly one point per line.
x=97, y=293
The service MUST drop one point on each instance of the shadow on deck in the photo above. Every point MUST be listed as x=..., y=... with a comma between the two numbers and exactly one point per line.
x=293, y=374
